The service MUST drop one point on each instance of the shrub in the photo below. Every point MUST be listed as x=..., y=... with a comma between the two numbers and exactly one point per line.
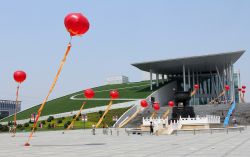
x=49, y=126
x=26, y=125
x=66, y=124
x=10, y=123
x=22, y=128
x=77, y=119
x=4, y=128
x=32, y=128
x=19, y=126
x=43, y=122
x=63, y=118
x=59, y=121
x=50, y=119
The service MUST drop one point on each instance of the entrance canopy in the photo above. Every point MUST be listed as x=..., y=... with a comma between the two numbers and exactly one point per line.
x=205, y=63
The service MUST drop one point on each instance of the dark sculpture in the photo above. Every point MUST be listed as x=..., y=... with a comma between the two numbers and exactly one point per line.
x=182, y=107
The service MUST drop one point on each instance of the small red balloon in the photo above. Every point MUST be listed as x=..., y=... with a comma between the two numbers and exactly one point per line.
x=171, y=103
x=244, y=87
x=196, y=86
x=89, y=93
x=19, y=76
x=144, y=103
x=114, y=94
x=227, y=87
x=239, y=89
x=76, y=24
x=156, y=106
x=243, y=91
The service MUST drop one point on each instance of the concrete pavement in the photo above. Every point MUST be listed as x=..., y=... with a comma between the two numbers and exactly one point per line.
x=82, y=143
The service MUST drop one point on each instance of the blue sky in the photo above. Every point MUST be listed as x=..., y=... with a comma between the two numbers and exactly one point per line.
x=33, y=39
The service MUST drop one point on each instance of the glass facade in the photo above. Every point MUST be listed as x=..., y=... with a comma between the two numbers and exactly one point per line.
x=8, y=106
x=236, y=86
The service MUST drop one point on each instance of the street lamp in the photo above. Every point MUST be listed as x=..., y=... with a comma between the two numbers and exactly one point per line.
x=84, y=119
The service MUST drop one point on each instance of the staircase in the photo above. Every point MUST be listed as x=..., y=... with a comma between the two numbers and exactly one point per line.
x=137, y=121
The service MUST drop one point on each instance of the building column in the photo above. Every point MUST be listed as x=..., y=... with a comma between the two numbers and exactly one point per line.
x=157, y=80
x=151, y=81
x=232, y=79
x=162, y=78
x=193, y=87
x=189, y=79
x=184, y=78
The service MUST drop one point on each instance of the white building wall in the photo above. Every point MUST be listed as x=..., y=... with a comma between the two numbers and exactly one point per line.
x=117, y=79
x=165, y=94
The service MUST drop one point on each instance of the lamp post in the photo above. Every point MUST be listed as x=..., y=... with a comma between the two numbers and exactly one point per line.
x=84, y=119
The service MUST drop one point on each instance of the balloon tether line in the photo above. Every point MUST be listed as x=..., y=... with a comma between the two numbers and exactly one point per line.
x=106, y=111
x=50, y=91
x=77, y=115
x=16, y=105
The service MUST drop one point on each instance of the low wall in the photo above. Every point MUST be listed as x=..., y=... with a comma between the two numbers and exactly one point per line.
x=241, y=114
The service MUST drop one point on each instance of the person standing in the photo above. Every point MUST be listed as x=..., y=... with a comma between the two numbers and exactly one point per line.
x=93, y=129
x=151, y=128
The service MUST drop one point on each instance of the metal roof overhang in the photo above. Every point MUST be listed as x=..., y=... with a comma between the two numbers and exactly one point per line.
x=205, y=63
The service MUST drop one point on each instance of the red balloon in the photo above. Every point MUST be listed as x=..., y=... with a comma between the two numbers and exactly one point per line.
x=19, y=76
x=196, y=86
x=144, y=103
x=244, y=87
x=89, y=93
x=156, y=106
x=171, y=103
x=227, y=87
x=243, y=91
x=76, y=24
x=239, y=89
x=114, y=94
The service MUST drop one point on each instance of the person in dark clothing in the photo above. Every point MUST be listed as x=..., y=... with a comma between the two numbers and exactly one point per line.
x=151, y=128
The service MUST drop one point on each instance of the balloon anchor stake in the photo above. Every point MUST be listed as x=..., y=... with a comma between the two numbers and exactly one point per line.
x=26, y=144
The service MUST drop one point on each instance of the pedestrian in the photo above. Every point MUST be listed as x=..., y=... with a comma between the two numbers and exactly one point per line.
x=151, y=128
x=93, y=129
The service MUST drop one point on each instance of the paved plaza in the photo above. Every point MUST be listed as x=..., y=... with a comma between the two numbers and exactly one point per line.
x=82, y=143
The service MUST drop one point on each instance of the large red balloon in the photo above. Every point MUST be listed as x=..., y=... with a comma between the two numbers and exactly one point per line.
x=244, y=87
x=156, y=106
x=19, y=76
x=144, y=103
x=227, y=87
x=114, y=94
x=196, y=86
x=171, y=103
x=243, y=91
x=89, y=93
x=76, y=24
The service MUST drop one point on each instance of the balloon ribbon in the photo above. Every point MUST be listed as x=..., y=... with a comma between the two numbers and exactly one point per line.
x=77, y=115
x=153, y=114
x=193, y=92
x=15, y=123
x=50, y=91
x=166, y=114
x=130, y=118
x=220, y=95
x=106, y=111
x=242, y=97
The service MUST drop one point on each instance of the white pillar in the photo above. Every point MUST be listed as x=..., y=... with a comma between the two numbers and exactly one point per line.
x=151, y=81
x=189, y=81
x=162, y=78
x=184, y=78
x=193, y=87
x=157, y=80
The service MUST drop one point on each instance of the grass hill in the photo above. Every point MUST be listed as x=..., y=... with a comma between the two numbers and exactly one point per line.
x=136, y=90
